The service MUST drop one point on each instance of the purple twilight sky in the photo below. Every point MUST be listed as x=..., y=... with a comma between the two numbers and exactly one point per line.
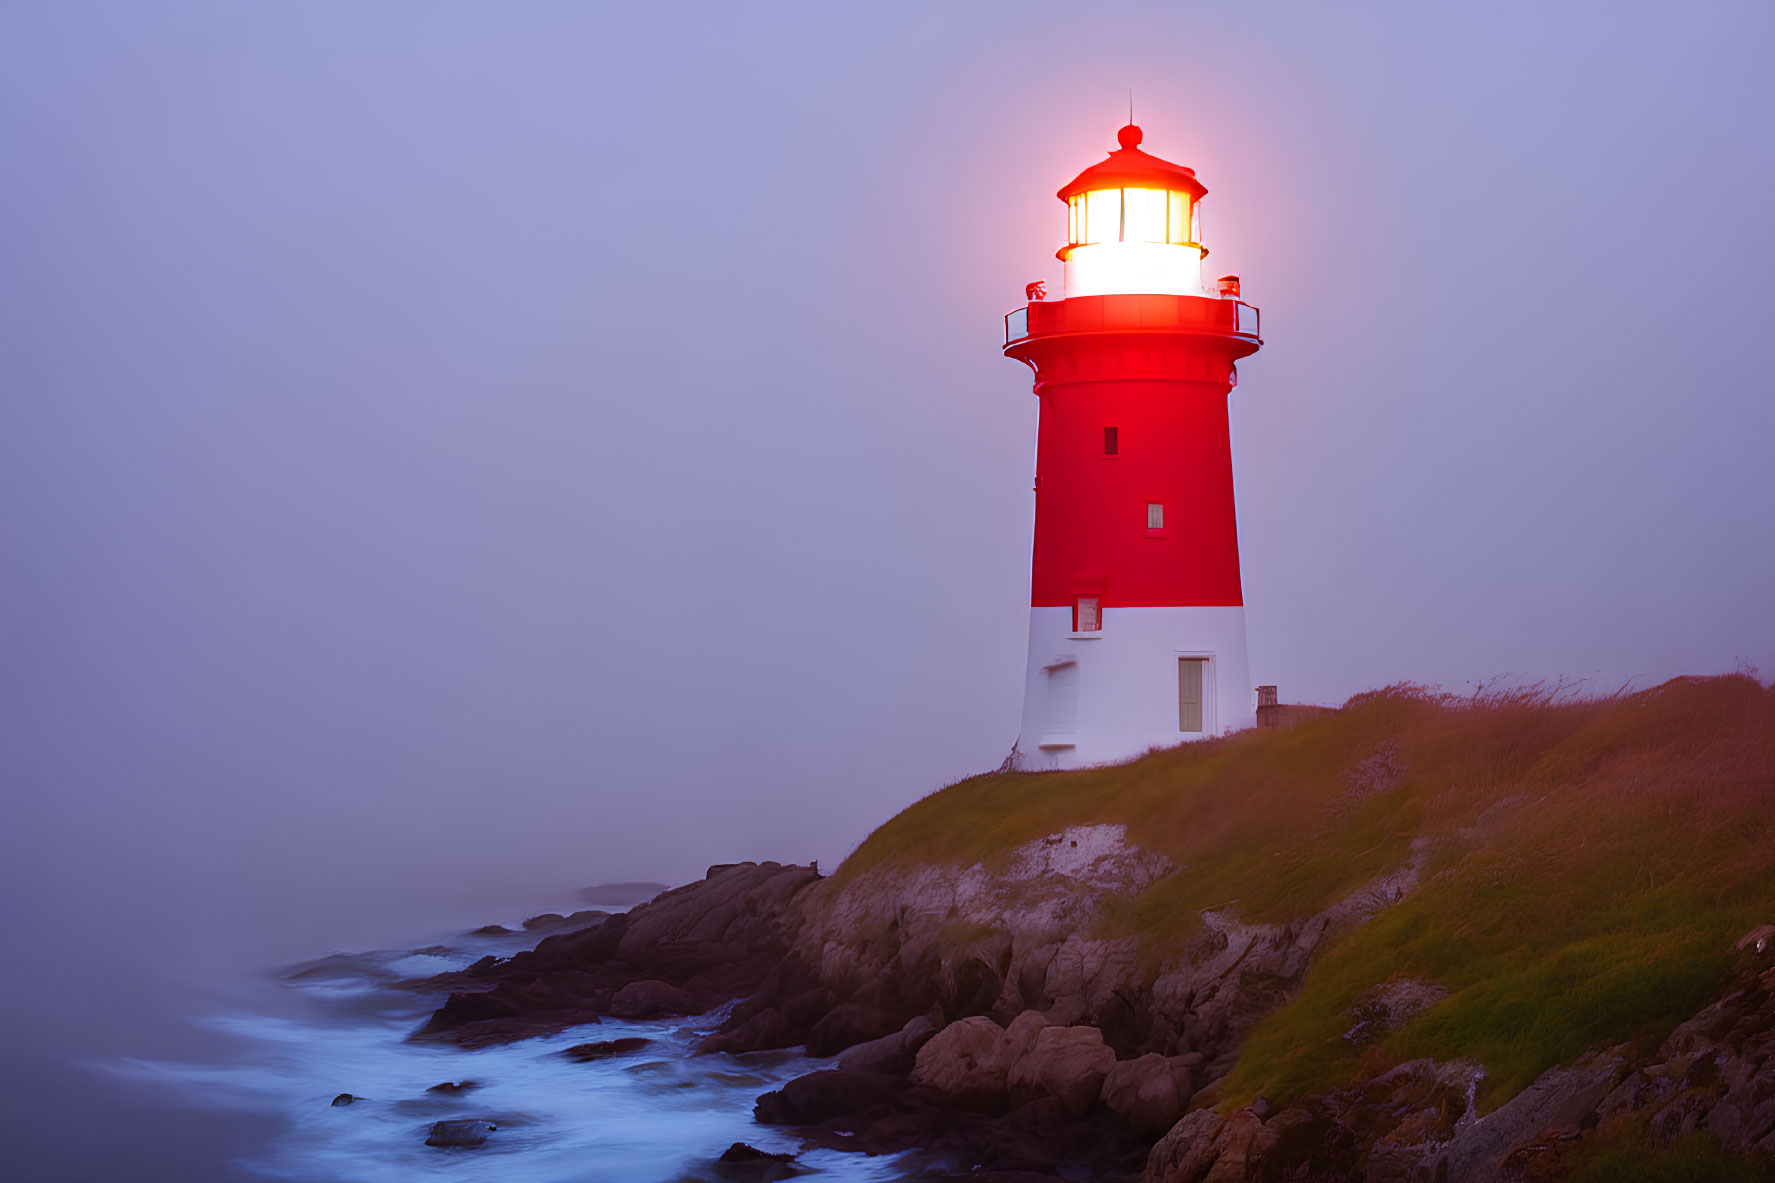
x=457, y=452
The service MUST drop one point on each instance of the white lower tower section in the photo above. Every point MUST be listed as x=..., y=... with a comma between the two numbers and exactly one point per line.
x=1150, y=678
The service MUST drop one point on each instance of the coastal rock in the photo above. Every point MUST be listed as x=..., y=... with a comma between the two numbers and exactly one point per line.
x=1150, y=1091
x=604, y=1049
x=464, y=1134
x=1042, y=1115
x=343, y=1099
x=1757, y=939
x=741, y=1163
x=1557, y=1104
x=821, y=1096
x=1188, y=1150
x=463, y=1008
x=891, y=1053
x=652, y=998
x=848, y=1025
x=583, y=948
x=1300, y=1142
x=1237, y=1144
x=1209, y=1147
x=454, y=1088
x=1069, y=1063
x=883, y=949
x=1020, y=1036
x=1096, y=856
x=1233, y=974
x=683, y=952
x=892, y=934
x=740, y=906
x=765, y=1029
x=969, y=1059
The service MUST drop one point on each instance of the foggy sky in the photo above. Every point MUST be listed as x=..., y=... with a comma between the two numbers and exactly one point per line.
x=457, y=452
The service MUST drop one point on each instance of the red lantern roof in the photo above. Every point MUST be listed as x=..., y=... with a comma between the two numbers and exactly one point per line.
x=1130, y=168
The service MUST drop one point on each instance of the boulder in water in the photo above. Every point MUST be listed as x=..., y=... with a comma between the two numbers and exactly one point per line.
x=821, y=1096
x=603, y=1049
x=465, y=1134
x=766, y=1029
x=747, y=1164
x=451, y=1088
x=343, y=1099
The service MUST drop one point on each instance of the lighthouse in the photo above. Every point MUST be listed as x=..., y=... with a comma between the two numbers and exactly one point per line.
x=1137, y=617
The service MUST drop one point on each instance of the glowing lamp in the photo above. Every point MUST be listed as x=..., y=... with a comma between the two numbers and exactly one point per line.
x=1131, y=226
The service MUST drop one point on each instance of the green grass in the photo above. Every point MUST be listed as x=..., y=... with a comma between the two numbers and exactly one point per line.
x=1544, y=1000
x=1692, y=1158
x=1589, y=863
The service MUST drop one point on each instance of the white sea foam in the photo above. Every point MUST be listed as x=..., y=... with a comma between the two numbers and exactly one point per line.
x=655, y=1115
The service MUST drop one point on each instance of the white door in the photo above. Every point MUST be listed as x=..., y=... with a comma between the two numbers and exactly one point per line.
x=1062, y=722
x=1190, y=683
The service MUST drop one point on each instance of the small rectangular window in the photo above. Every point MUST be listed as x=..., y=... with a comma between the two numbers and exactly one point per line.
x=1155, y=516
x=1111, y=441
x=1086, y=617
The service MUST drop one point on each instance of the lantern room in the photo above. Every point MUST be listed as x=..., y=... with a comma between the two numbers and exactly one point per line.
x=1131, y=224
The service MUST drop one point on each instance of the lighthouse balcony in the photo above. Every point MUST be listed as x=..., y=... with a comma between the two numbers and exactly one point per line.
x=1210, y=315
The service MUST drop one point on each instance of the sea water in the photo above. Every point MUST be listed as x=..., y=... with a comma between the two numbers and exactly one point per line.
x=659, y=1114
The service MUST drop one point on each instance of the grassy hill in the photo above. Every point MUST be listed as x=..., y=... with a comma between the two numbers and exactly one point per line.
x=1586, y=864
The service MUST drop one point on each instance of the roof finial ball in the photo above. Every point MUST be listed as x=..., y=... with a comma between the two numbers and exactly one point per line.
x=1129, y=137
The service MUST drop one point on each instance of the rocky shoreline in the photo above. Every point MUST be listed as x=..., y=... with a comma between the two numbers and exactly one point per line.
x=979, y=1024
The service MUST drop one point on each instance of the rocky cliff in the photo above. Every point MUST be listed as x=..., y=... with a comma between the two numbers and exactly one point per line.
x=1421, y=938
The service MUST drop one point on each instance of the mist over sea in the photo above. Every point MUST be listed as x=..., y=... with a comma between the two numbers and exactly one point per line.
x=228, y=1071
x=102, y=982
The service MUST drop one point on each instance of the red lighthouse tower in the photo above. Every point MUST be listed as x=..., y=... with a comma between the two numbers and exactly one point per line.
x=1137, y=618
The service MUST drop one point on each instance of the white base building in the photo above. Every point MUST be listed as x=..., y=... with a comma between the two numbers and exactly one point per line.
x=1149, y=678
